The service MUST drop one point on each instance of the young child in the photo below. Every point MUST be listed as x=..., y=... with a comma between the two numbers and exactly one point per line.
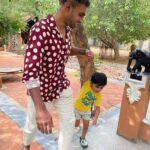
x=89, y=95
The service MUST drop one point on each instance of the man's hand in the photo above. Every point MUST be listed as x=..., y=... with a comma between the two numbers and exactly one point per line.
x=89, y=54
x=81, y=51
x=44, y=121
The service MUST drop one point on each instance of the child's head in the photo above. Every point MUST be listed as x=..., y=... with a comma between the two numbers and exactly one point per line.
x=98, y=81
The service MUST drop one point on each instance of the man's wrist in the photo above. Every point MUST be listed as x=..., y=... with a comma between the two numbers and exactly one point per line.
x=83, y=51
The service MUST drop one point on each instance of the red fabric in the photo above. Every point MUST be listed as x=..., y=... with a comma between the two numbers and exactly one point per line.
x=46, y=55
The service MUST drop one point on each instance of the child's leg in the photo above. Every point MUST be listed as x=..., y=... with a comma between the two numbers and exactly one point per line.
x=93, y=109
x=85, y=128
x=83, y=141
x=77, y=122
x=77, y=117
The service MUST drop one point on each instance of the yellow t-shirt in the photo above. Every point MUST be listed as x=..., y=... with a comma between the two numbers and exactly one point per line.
x=86, y=98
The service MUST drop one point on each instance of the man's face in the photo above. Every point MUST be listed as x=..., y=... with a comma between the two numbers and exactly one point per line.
x=77, y=15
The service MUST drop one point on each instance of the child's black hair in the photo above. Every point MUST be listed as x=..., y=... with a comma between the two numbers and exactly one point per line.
x=99, y=79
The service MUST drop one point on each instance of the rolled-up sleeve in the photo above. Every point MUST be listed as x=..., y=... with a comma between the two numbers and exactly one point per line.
x=33, y=57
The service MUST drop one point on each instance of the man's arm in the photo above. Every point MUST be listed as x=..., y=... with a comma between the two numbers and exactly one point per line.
x=87, y=71
x=89, y=57
x=33, y=61
x=80, y=51
x=43, y=117
x=37, y=99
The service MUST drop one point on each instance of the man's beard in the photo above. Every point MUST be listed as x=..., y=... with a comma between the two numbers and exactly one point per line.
x=75, y=25
x=72, y=25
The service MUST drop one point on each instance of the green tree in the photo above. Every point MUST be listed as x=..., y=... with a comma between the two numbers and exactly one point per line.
x=11, y=19
x=43, y=7
x=13, y=11
x=114, y=22
x=9, y=22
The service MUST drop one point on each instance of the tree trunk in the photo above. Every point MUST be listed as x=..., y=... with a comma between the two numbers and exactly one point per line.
x=111, y=43
x=80, y=40
x=116, y=50
x=140, y=43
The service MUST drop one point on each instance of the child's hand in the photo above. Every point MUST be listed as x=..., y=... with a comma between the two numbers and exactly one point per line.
x=94, y=121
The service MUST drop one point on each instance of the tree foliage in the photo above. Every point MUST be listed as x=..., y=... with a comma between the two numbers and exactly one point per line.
x=121, y=21
x=43, y=7
x=9, y=19
x=13, y=11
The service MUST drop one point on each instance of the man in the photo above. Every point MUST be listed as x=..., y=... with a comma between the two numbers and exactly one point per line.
x=48, y=49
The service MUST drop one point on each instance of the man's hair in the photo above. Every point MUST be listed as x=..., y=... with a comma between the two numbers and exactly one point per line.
x=99, y=79
x=76, y=2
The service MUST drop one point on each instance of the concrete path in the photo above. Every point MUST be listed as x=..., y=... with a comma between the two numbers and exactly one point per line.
x=100, y=137
x=13, y=107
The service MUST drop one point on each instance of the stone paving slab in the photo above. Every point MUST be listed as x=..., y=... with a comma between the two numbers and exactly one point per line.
x=12, y=118
x=15, y=91
x=18, y=115
x=100, y=137
x=104, y=137
x=13, y=103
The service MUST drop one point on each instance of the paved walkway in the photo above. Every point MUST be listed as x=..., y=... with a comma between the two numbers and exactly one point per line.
x=13, y=106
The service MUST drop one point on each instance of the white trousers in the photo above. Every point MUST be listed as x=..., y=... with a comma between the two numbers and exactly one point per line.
x=64, y=108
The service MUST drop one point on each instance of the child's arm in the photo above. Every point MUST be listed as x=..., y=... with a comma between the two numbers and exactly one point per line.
x=97, y=112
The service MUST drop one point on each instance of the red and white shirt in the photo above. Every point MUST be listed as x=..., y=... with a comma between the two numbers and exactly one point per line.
x=46, y=55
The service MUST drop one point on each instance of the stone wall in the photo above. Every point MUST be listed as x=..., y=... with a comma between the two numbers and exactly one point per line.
x=15, y=43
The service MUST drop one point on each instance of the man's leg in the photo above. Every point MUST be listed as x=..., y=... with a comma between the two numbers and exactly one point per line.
x=64, y=107
x=30, y=125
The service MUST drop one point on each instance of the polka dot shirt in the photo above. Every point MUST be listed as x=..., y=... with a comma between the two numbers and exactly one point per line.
x=46, y=55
